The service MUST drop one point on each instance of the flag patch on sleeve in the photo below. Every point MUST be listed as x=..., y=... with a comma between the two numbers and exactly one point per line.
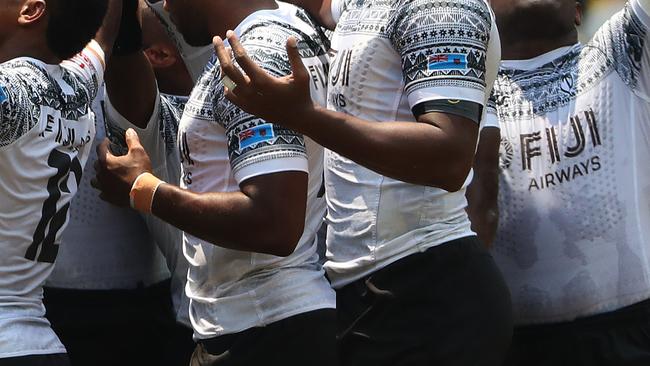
x=255, y=135
x=447, y=61
x=3, y=94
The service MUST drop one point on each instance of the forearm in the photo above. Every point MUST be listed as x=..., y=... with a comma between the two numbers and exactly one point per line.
x=483, y=192
x=259, y=218
x=413, y=152
x=483, y=207
x=131, y=87
x=107, y=33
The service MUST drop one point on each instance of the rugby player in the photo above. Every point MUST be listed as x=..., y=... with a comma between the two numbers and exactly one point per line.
x=407, y=91
x=46, y=130
x=108, y=263
x=573, y=236
x=249, y=202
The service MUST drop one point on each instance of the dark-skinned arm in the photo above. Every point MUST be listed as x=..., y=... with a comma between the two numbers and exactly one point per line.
x=437, y=150
x=483, y=207
x=107, y=33
x=130, y=80
x=266, y=216
x=131, y=87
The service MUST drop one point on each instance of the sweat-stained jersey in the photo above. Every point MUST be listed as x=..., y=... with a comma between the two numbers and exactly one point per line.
x=46, y=130
x=574, y=200
x=390, y=57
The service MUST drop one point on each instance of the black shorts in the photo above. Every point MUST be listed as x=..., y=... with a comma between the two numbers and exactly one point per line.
x=619, y=338
x=118, y=327
x=446, y=306
x=58, y=359
x=307, y=339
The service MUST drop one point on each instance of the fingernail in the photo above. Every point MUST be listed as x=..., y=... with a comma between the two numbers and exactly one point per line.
x=130, y=132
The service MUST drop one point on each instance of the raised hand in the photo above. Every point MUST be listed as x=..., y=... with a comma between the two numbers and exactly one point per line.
x=285, y=101
x=115, y=174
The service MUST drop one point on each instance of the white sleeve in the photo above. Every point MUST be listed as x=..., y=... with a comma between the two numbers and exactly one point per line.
x=88, y=65
x=624, y=40
x=257, y=147
x=642, y=6
x=337, y=7
x=450, y=63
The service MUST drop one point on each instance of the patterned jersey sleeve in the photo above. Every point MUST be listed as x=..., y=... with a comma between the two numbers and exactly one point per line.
x=255, y=146
x=88, y=66
x=17, y=115
x=158, y=138
x=338, y=7
x=624, y=40
x=444, y=47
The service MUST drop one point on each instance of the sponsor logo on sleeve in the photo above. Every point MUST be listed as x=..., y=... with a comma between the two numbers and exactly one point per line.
x=255, y=135
x=447, y=61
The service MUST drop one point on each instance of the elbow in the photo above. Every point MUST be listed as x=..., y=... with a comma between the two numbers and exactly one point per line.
x=454, y=180
x=284, y=240
x=452, y=185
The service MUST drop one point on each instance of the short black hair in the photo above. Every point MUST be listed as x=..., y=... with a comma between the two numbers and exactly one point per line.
x=72, y=24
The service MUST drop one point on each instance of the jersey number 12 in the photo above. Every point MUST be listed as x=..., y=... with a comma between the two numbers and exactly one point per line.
x=56, y=219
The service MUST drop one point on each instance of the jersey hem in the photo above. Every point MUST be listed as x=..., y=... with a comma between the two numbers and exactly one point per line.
x=277, y=318
x=58, y=351
x=341, y=279
x=603, y=307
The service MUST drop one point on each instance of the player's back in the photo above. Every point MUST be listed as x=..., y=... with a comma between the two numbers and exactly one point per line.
x=45, y=129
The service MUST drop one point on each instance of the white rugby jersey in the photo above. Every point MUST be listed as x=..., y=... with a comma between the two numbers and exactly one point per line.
x=46, y=131
x=574, y=227
x=391, y=56
x=159, y=141
x=221, y=146
x=105, y=247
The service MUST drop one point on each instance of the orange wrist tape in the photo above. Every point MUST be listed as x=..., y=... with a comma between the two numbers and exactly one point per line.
x=142, y=192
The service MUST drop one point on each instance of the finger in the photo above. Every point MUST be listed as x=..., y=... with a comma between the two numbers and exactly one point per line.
x=132, y=139
x=236, y=99
x=297, y=66
x=226, y=62
x=103, y=152
x=254, y=72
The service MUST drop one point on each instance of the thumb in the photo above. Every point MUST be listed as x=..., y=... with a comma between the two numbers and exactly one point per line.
x=132, y=139
x=297, y=67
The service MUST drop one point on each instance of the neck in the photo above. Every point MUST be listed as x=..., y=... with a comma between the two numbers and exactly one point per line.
x=525, y=49
x=174, y=80
x=229, y=20
x=27, y=46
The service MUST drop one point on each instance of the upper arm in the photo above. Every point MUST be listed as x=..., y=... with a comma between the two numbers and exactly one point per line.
x=624, y=40
x=131, y=86
x=16, y=117
x=255, y=146
x=88, y=66
x=444, y=49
